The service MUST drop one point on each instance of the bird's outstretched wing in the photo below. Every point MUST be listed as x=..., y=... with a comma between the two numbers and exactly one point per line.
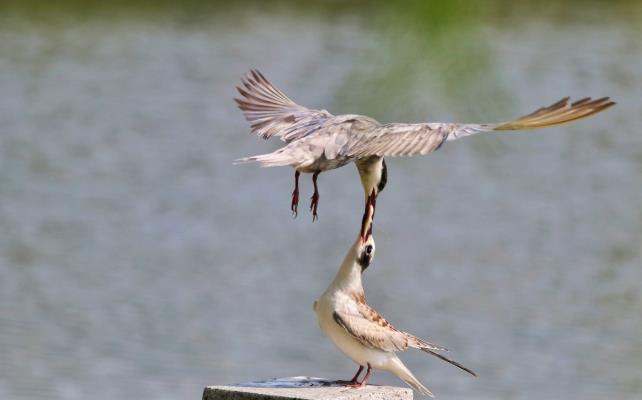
x=423, y=138
x=272, y=113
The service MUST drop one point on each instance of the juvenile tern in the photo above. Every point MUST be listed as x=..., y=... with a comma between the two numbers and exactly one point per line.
x=359, y=331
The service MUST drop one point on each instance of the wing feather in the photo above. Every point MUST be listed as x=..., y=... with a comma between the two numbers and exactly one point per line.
x=391, y=140
x=371, y=334
x=401, y=139
x=271, y=113
x=374, y=331
x=558, y=113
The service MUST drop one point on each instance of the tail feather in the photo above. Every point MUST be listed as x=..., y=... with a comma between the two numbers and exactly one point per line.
x=448, y=360
x=276, y=159
x=418, y=343
x=405, y=375
x=558, y=113
x=432, y=348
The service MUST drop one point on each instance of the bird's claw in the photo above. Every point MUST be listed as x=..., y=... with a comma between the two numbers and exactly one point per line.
x=352, y=383
x=355, y=385
x=295, y=195
x=295, y=204
x=314, y=205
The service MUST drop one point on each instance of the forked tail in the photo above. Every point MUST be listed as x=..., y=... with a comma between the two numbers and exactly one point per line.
x=431, y=348
x=448, y=360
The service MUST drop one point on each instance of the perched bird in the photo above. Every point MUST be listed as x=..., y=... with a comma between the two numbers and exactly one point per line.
x=318, y=141
x=359, y=331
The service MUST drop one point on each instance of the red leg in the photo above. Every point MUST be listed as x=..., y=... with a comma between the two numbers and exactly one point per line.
x=364, y=382
x=295, y=194
x=354, y=380
x=315, y=197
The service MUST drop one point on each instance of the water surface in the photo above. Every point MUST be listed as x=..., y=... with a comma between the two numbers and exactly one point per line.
x=137, y=262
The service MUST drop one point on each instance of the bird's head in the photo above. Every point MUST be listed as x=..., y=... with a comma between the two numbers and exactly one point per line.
x=365, y=252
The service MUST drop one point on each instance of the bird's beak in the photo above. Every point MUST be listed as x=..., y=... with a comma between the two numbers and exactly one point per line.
x=368, y=215
x=363, y=234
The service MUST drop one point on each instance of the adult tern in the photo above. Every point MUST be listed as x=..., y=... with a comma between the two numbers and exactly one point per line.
x=317, y=141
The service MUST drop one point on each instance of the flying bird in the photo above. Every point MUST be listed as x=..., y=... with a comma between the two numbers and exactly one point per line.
x=359, y=331
x=317, y=141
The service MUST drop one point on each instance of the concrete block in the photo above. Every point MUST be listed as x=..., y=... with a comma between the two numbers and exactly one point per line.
x=303, y=388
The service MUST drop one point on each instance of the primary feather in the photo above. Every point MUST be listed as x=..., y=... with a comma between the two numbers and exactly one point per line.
x=272, y=113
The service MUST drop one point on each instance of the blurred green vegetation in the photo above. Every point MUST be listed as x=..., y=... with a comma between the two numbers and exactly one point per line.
x=429, y=14
x=417, y=35
x=436, y=38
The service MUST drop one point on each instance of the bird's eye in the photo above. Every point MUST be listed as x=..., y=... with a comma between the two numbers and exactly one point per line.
x=369, y=249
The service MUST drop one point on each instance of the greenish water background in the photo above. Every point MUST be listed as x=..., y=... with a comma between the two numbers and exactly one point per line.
x=137, y=262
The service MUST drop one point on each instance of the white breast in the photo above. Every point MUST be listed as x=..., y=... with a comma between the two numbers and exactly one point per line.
x=351, y=347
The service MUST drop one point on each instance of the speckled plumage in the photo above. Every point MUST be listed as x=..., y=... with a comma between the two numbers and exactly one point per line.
x=359, y=331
